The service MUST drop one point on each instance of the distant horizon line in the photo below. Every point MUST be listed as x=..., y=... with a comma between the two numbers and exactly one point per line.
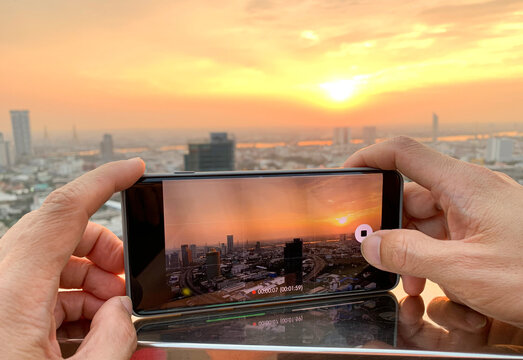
x=417, y=126
x=286, y=240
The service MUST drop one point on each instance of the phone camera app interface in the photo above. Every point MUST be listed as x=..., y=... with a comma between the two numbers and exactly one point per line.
x=362, y=231
x=236, y=240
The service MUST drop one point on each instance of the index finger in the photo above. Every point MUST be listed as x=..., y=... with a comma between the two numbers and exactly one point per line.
x=91, y=190
x=418, y=162
x=54, y=230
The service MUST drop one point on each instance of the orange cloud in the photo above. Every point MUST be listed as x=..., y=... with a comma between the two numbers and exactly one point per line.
x=254, y=62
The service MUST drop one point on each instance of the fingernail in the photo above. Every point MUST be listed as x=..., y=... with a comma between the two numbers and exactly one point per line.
x=370, y=248
x=475, y=320
x=127, y=303
x=137, y=159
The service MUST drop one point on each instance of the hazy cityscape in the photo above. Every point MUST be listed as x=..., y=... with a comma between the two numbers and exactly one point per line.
x=243, y=264
x=320, y=264
x=33, y=163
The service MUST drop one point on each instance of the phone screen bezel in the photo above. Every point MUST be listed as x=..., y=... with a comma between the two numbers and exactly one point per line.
x=142, y=208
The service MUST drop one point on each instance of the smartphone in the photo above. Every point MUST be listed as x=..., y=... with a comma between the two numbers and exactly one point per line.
x=347, y=322
x=200, y=241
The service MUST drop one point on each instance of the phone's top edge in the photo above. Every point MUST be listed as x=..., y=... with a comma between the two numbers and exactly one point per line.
x=259, y=172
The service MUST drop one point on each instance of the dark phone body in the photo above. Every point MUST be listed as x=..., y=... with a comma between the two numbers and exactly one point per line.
x=145, y=238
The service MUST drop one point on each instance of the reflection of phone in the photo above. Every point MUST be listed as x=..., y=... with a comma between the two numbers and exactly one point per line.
x=195, y=241
x=340, y=323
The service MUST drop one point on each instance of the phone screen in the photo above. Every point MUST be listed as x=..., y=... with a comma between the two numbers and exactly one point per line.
x=247, y=239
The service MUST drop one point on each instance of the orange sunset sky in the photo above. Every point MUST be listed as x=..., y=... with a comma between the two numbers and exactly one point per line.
x=301, y=206
x=155, y=64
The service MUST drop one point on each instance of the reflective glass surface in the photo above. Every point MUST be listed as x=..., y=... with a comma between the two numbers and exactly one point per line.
x=378, y=325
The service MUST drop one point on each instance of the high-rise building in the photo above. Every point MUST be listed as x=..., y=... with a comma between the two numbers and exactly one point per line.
x=230, y=244
x=223, y=249
x=173, y=260
x=499, y=149
x=186, y=256
x=46, y=135
x=258, y=247
x=341, y=136
x=5, y=158
x=369, y=135
x=21, y=134
x=435, y=127
x=293, y=262
x=75, y=135
x=212, y=264
x=107, y=148
x=193, y=249
x=215, y=154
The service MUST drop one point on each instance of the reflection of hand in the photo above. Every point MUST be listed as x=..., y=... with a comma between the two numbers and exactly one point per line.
x=466, y=329
x=452, y=200
x=35, y=260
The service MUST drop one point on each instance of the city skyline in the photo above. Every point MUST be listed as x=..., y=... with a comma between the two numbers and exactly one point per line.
x=154, y=68
x=311, y=206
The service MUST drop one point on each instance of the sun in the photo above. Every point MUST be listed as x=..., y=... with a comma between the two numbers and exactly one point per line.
x=342, y=220
x=340, y=90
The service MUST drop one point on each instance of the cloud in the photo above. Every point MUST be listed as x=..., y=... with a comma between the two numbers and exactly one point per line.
x=256, y=48
x=309, y=35
x=470, y=13
x=257, y=5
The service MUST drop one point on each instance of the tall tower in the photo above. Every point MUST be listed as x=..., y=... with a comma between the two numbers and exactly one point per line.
x=186, y=256
x=21, y=134
x=293, y=262
x=230, y=244
x=212, y=264
x=107, y=148
x=75, y=135
x=193, y=249
x=5, y=158
x=369, y=135
x=435, y=125
x=341, y=136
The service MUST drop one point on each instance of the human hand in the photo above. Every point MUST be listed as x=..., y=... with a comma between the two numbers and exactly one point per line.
x=460, y=329
x=45, y=250
x=464, y=229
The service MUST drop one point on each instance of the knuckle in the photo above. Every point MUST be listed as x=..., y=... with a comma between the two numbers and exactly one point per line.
x=483, y=178
x=58, y=197
x=405, y=143
x=62, y=198
x=398, y=252
x=499, y=177
x=28, y=218
x=480, y=171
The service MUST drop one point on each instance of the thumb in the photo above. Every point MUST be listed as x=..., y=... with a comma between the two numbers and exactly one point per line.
x=112, y=334
x=409, y=252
